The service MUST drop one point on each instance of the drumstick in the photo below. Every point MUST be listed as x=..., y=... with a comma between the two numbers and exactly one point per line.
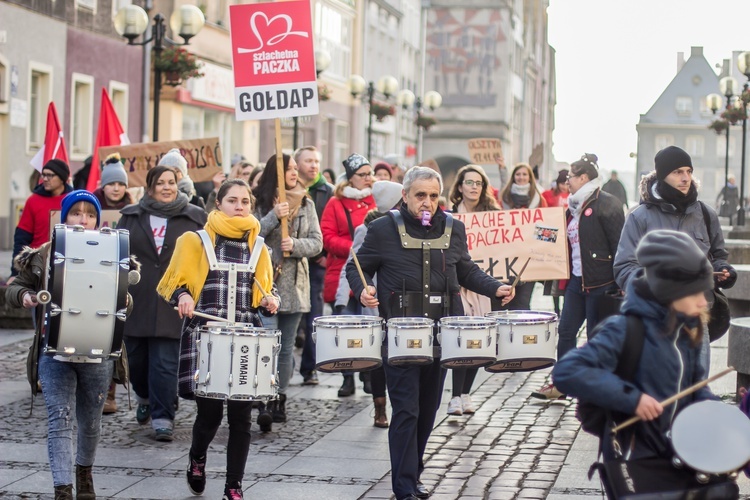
x=518, y=276
x=356, y=263
x=208, y=316
x=257, y=283
x=677, y=396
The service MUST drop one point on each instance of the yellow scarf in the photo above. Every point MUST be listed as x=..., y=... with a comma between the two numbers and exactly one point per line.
x=189, y=265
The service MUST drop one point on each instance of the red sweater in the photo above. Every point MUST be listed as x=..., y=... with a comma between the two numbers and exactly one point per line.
x=35, y=216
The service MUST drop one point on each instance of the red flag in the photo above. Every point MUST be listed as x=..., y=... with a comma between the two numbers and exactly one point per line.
x=110, y=133
x=54, y=144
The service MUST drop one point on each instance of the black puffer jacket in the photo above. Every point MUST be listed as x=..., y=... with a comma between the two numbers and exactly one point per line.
x=398, y=268
x=599, y=231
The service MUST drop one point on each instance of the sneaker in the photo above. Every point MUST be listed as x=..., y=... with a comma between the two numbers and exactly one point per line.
x=143, y=414
x=196, y=476
x=455, y=407
x=548, y=392
x=233, y=491
x=466, y=405
x=310, y=378
x=164, y=435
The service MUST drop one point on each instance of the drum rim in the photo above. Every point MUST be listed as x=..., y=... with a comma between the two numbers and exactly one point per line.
x=341, y=321
x=497, y=316
x=241, y=333
x=425, y=322
x=467, y=322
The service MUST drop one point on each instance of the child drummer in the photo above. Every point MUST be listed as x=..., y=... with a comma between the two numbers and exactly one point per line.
x=232, y=232
x=71, y=385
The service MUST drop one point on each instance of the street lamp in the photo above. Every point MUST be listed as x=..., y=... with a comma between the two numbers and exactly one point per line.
x=322, y=61
x=431, y=100
x=387, y=86
x=727, y=86
x=132, y=21
x=743, y=63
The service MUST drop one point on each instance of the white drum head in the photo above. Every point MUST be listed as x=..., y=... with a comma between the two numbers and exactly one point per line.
x=712, y=437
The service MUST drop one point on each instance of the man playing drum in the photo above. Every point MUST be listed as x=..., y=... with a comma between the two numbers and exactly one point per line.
x=420, y=256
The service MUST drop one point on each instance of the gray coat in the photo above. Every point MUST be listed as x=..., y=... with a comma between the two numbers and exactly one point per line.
x=655, y=213
x=294, y=281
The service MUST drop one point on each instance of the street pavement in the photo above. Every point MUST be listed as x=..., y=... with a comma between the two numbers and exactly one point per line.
x=513, y=447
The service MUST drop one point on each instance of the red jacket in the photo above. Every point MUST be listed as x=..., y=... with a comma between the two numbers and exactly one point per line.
x=35, y=215
x=337, y=240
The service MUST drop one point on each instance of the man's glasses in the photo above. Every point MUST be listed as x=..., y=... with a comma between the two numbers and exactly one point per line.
x=47, y=176
x=469, y=182
x=365, y=175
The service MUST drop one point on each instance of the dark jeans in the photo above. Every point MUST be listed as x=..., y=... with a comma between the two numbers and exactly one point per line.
x=317, y=273
x=153, y=373
x=207, y=422
x=579, y=306
x=463, y=379
x=415, y=393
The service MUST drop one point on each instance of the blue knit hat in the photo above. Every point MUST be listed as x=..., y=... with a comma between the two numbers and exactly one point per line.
x=74, y=197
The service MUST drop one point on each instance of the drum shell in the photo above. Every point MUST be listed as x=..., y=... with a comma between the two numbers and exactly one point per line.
x=344, y=343
x=237, y=362
x=410, y=341
x=88, y=284
x=526, y=340
x=467, y=341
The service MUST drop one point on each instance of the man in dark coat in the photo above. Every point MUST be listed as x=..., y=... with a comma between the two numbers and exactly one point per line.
x=614, y=187
x=394, y=249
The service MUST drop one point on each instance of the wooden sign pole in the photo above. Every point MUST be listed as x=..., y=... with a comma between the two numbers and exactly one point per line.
x=281, y=180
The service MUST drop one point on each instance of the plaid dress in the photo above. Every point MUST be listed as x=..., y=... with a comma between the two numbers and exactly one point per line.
x=213, y=300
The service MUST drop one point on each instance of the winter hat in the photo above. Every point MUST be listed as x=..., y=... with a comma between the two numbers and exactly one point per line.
x=74, y=197
x=59, y=167
x=386, y=194
x=384, y=166
x=562, y=177
x=174, y=159
x=669, y=159
x=354, y=163
x=114, y=171
x=674, y=265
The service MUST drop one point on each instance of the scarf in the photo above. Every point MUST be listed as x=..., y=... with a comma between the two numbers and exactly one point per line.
x=675, y=197
x=189, y=265
x=356, y=194
x=519, y=195
x=576, y=200
x=294, y=197
x=165, y=210
x=185, y=185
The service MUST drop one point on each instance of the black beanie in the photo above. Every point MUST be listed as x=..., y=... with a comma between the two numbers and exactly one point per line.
x=669, y=159
x=354, y=163
x=59, y=167
x=674, y=265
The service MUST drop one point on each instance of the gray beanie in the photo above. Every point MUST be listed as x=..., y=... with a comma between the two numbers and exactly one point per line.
x=174, y=159
x=674, y=265
x=387, y=194
x=114, y=172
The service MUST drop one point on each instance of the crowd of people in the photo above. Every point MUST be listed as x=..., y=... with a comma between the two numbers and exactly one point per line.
x=413, y=261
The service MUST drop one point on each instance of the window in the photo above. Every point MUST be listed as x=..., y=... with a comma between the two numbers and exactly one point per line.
x=695, y=145
x=342, y=143
x=721, y=144
x=81, y=115
x=333, y=32
x=684, y=106
x=40, y=95
x=661, y=141
x=118, y=94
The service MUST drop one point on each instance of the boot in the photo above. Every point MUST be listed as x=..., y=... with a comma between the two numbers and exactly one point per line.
x=347, y=388
x=84, y=483
x=381, y=418
x=366, y=378
x=110, y=405
x=279, y=409
x=64, y=492
x=265, y=417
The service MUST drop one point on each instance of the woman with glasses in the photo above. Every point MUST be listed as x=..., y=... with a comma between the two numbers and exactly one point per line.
x=522, y=192
x=470, y=193
x=595, y=221
x=352, y=200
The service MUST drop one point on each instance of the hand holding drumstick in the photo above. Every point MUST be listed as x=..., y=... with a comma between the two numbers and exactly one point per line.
x=270, y=302
x=367, y=297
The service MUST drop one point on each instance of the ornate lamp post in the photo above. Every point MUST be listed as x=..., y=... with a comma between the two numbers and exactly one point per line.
x=132, y=21
x=743, y=63
x=322, y=61
x=387, y=86
x=432, y=100
x=727, y=86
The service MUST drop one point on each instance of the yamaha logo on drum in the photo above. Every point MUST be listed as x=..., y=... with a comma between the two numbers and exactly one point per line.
x=244, y=361
x=245, y=349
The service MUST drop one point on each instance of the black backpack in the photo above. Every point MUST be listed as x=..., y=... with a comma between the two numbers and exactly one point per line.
x=594, y=418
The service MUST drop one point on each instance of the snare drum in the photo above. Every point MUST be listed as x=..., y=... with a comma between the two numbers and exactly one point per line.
x=348, y=343
x=467, y=341
x=711, y=437
x=87, y=284
x=526, y=340
x=410, y=341
x=237, y=362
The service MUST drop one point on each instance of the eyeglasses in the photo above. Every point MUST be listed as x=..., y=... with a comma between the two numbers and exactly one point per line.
x=365, y=175
x=47, y=176
x=571, y=176
x=469, y=182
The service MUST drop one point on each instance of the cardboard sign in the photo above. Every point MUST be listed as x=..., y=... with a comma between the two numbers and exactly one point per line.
x=108, y=218
x=485, y=151
x=273, y=60
x=501, y=241
x=203, y=157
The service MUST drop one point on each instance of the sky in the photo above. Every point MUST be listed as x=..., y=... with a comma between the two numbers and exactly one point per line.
x=614, y=59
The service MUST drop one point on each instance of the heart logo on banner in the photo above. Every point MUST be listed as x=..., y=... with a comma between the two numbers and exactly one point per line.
x=273, y=40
